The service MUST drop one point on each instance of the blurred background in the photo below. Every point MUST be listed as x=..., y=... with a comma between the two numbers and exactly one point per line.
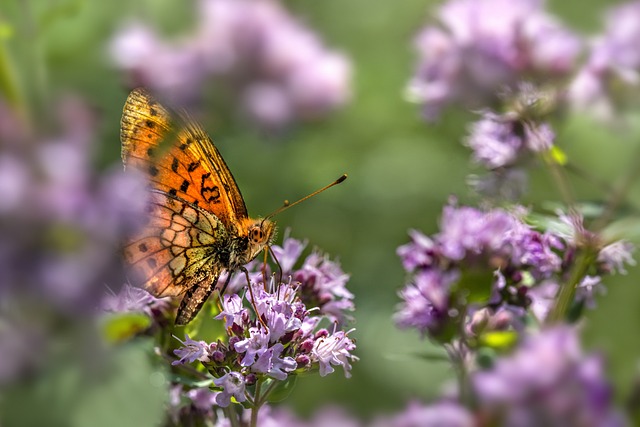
x=401, y=169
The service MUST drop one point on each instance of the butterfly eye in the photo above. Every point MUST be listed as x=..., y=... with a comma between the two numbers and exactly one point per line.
x=257, y=235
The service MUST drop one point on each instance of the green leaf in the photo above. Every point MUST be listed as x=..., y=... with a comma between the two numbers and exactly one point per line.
x=475, y=285
x=123, y=326
x=191, y=382
x=627, y=228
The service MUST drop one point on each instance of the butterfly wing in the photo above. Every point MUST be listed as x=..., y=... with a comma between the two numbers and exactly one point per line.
x=194, y=202
x=177, y=247
x=183, y=163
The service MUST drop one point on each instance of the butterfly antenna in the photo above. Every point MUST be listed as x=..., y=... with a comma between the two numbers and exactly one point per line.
x=287, y=205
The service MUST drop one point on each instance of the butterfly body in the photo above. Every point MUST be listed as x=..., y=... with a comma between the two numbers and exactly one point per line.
x=197, y=224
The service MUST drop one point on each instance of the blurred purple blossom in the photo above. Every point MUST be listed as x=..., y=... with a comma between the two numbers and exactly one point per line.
x=254, y=52
x=479, y=48
x=425, y=304
x=132, y=299
x=614, y=256
x=498, y=261
x=503, y=144
x=438, y=414
x=612, y=70
x=547, y=381
x=63, y=221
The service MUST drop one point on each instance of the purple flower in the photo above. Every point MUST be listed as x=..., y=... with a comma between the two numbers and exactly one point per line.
x=425, y=305
x=588, y=288
x=480, y=47
x=334, y=350
x=492, y=259
x=543, y=297
x=191, y=351
x=494, y=141
x=233, y=385
x=253, y=346
x=614, y=256
x=132, y=299
x=497, y=141
x=418, y=253
x=233, y=311
x=547, y=380
x=614, y=63
x=467, y=232
x=270, y=363
x=533, y=249
x=322, y=283
x=439, y=414
x=281, y=320
x=277, y=69
x=289, y=253
x=203, y=399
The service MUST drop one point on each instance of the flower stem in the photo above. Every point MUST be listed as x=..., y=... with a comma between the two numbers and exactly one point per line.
x=619, y=192
x=560, y=179
x=584, y=258
x=257, y=400
x=232, y=416
x=457, y=360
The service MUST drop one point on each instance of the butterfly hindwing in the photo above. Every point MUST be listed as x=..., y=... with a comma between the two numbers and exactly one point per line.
x=176, y=248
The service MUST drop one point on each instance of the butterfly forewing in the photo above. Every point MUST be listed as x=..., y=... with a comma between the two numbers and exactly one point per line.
x=182, y=163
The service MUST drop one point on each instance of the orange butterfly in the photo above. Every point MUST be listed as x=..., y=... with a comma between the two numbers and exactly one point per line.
x=198, y=224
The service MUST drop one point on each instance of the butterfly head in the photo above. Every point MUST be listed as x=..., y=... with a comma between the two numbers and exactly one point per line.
x=260, y=234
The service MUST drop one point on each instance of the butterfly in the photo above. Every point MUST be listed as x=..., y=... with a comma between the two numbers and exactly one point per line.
x=197, y=224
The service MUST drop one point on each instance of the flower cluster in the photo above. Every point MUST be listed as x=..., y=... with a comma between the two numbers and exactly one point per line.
x=612, y=71
x=482, y=47
x=547, y=380
x=272, y=334
x=278, y=69
x=506, y=143
x=60, y=225
x=132, y=299
x=500, y=141
x=489, y=259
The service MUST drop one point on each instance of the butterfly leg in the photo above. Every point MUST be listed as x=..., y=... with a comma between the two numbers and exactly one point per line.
x=253, y=299
x=280, y=272
x=194, y=299
x=226, y=283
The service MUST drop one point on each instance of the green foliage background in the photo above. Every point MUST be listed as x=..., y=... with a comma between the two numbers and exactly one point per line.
x=401, y=172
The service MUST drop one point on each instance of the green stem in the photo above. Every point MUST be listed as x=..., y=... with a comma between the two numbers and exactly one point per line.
x=257, y=403
x=560, y=179
x=457, y=360
x=619, y=193
x=584, y=259
x=232, y=415
x=268, y=391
